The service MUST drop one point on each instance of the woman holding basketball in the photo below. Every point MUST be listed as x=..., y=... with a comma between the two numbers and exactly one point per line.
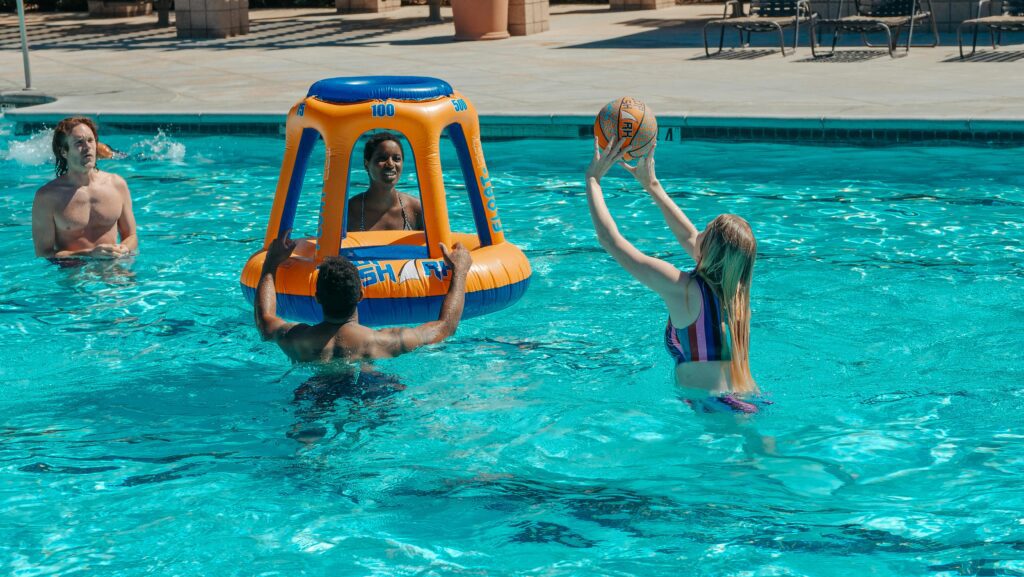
x=708, y=332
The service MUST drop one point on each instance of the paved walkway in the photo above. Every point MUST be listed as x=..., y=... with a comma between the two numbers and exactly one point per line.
x=589, y=56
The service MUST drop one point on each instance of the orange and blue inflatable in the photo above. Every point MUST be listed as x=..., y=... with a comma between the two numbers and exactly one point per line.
x=403, y=273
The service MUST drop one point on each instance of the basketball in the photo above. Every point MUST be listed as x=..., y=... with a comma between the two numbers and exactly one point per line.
x=632, y=121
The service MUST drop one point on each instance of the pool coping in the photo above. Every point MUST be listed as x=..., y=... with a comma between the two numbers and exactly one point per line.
x=838, y=129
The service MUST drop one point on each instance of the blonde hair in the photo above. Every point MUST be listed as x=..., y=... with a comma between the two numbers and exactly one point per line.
x=726, y=263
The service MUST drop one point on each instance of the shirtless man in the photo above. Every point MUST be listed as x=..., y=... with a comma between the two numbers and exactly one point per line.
x=82, y=211
x=339, y=290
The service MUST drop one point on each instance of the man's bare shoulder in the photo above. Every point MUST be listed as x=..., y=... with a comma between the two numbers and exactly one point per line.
x=111, y=179
x=56, y=187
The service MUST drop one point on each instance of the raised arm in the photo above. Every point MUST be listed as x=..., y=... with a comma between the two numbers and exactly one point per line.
x=393, y=342
x=271, y=326
x=680, y=225
x=656, y=274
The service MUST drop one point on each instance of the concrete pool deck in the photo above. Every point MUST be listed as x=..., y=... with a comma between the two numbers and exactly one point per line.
x=128, y=66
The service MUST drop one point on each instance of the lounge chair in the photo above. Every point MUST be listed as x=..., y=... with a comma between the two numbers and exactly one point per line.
x=764, y=16
x=889, y=16
x=1010, y=19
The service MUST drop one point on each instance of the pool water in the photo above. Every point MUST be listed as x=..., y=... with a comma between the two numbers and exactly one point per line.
x=147, y=430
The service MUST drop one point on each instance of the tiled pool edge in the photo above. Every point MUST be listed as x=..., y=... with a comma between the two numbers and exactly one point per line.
x=777, y=129
x=671, y=127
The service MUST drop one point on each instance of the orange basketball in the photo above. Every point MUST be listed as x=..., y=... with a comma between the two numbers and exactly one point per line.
x=632, y=121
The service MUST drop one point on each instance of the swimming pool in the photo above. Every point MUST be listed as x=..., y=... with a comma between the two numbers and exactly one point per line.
x=147, y=430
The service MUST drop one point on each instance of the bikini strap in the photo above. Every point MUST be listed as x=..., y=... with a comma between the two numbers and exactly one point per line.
x=405, y=221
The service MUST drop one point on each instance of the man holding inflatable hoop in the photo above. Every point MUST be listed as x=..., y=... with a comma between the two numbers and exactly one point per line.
x=338, y=290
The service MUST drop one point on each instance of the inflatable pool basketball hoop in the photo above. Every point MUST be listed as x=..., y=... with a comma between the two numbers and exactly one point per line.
x=403, y=273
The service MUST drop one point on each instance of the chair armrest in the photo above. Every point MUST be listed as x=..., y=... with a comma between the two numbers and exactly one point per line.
x=725, y=9
x=805, y=6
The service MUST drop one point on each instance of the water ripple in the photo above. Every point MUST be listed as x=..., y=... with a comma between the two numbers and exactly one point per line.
x=146, y=429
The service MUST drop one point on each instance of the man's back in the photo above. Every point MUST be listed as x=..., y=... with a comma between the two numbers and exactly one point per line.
x=350, y=341
x=320, y=342
x=340, y=336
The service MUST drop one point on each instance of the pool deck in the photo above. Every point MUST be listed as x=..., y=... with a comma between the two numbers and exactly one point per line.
x=128, y=66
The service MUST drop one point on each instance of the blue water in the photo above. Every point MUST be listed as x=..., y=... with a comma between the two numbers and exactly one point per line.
x=144, y=428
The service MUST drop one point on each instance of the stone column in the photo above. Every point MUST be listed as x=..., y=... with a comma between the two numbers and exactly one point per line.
x=211, y=18
x=528, y=17
x=240, y=16
x=356, y=6
x=640, y=4
x=244, y=15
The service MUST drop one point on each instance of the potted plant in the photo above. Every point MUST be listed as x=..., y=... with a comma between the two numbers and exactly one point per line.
x=480, y=19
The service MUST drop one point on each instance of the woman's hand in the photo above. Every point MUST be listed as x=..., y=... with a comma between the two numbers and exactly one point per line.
x=605, y=159
x=643, y=172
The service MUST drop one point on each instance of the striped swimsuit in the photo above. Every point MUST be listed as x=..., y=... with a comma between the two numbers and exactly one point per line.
x=705, y=339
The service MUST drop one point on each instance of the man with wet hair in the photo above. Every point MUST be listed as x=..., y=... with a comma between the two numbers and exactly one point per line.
x=338, y=290
x=83, y=211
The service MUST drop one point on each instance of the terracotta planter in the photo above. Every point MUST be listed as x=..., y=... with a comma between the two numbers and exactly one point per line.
x=480, y=19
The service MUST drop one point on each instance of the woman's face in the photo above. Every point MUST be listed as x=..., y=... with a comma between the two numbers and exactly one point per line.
x=385, y=165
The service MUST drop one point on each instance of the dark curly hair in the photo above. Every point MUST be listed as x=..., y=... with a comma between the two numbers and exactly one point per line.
x=338, y=288
x=60, y=140
x=375, y=140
